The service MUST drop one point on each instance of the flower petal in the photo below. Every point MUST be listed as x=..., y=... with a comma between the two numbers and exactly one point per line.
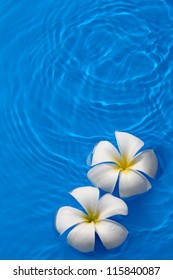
x=110, y=205
x=68, y=217
x=132, y=182
x=87, y=196
x=128, y=144
x=111, y=233
x=146, y=162
x=104, y=151
x=82, y=237
x=104, y=176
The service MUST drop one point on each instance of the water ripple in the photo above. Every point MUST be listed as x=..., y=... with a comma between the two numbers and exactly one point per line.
x=73, y=72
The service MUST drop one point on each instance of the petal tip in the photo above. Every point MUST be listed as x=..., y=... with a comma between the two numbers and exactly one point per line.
x=149, y=187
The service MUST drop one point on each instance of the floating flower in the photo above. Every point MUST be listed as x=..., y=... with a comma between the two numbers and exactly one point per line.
x=94, y=220
x=111, y=164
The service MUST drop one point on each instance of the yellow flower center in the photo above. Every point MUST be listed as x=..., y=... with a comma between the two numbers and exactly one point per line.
x=124, y=164
x=92, y=216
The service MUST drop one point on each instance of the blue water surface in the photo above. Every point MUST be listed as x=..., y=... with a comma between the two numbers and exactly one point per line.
x=71, y=73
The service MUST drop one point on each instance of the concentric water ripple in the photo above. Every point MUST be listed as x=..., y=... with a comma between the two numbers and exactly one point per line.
x=73, y=72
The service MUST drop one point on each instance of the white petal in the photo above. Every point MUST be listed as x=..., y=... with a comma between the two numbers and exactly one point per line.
x=68, y=217
x=128, y=144
x=104, y=151
x=104, y=176
x=111, y=233
x=87, y=196
x=132, y=182
x=146, y=162
x=110, y=205
x=82, y=237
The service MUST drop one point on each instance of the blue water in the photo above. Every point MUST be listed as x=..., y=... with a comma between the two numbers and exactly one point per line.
x=71, y=73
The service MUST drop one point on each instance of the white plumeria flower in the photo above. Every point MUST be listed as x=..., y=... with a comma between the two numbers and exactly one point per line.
x=111, y=164
x=82, y=236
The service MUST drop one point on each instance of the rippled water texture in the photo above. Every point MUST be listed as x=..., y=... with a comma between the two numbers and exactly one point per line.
x=71, y=73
